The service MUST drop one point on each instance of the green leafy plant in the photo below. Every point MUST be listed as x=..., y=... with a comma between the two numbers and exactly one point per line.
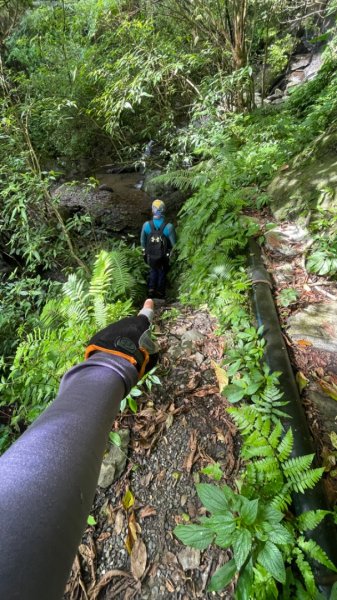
x=288, y=296
x=58, y=340
x=323, y=261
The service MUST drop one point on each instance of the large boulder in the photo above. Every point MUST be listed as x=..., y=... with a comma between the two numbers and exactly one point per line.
x=308, y=183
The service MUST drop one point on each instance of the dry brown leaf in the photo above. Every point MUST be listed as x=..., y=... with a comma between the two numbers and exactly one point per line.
x=147, y=511
x=138, y=559
x=193, y=447
x=119, y=522
x=103, y=582
x=208, y=390
x=104, y=536
x=221, y=375
x=169, y=421
x=169, y=586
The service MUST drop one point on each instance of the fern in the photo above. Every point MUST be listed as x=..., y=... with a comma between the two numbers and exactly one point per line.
x=306, y=572
x=286, y=445
x=310, y=519
x=314, y=551
x=100, y=312
x=102, y=275
x=308, y=480
x=295, y=467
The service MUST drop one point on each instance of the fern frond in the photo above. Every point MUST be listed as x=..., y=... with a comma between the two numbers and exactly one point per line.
x=308, y=480
x=283, y=499
x=286, y=445
x=294, y=468
x=275, y=435
x=52, y=313
x=102, y=275
x=76, y=308
x=312, y=549
x=100, y=312
x=307, y=574
x=310, y=519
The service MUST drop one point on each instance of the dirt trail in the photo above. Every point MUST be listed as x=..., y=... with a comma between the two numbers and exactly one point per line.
x=181, y=426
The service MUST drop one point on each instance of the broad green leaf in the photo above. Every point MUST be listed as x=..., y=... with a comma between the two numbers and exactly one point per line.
x=233, y=393
x=222, y=577
x=196, y=536
x=249, y=510
x=115, y=438
x=278, y=534
x=245, y=582
x=271, y=559
x=132, y=404
x=242, y=544
x=214, y=470
x=212, y=497
x=91, y=520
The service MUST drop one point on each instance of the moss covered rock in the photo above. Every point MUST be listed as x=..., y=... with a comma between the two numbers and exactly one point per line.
x=309, y=182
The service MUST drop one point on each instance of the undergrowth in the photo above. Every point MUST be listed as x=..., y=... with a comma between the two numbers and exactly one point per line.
x=58, y=336
x=273, y=553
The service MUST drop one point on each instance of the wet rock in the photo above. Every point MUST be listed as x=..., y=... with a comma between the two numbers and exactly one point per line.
x=326, y=406
x=189, y=558
x=289, y=239
x=316, y=323
x=300, y=62
x=105, y=188
x=307, y=181
x=114, y=461
x=192, y=336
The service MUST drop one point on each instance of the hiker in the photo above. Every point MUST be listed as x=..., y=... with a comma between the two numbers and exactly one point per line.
x=49, y=475
x=157, y=240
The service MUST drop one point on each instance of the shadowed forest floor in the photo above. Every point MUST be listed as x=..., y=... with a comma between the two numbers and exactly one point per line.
x=181, y=427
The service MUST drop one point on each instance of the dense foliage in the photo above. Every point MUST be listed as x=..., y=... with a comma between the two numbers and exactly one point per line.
x=88, y=81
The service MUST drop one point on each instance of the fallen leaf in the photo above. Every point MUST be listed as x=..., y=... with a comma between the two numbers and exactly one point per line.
x=303, y=343
x=103, y=582
x=193, y=447
x=128, y=499
x=104, y=536
x=119, y=522
x=169, y=421
x=147, y=511
x=208, y=390
x=138, y=559
x=329, y=389
x=169, y=586
x=221, y=375
x=169, y=558
x=132, y=532
x=301, y=380
x=284, y=167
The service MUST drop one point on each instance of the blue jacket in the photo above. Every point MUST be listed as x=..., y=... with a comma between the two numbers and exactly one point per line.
x=169, y=231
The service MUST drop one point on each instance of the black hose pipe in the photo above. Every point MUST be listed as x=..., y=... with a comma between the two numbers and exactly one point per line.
x=277, y=358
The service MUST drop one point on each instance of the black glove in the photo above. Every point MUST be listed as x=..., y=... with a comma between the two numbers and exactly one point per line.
x=130, y=339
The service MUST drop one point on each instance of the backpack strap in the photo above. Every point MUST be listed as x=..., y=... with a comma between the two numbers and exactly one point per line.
x=160, y=230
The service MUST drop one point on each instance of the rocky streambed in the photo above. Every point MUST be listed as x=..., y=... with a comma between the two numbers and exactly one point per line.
x=117, y=202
